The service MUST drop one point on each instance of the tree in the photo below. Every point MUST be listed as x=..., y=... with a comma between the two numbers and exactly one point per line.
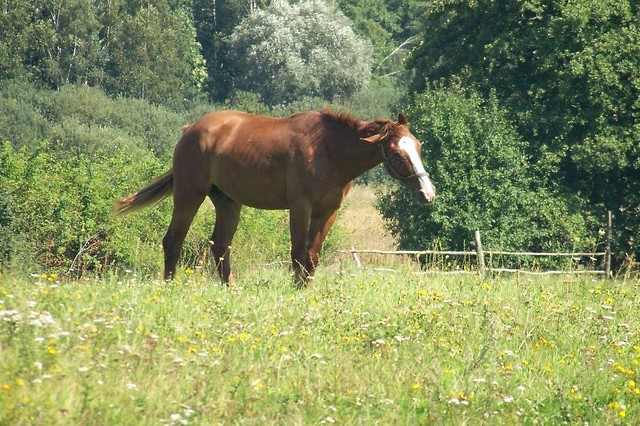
x=215, y=21
x=289, y=51
x=391, y=25
x=52, y=41
x=483, y=181
x=154, y=54
x=566, y=73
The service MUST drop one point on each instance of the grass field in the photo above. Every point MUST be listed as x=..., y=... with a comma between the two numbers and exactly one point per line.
x=357, y=347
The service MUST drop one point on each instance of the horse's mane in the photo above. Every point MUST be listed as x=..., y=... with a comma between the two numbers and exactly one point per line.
x=344, y=117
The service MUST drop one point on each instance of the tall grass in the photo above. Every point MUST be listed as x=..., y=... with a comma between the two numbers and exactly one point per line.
x=356, y=347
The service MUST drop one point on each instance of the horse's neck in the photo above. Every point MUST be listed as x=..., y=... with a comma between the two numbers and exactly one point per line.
x=356, y=157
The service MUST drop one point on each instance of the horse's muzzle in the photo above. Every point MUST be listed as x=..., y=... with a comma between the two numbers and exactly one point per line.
x=424, y=196
x=425, y=191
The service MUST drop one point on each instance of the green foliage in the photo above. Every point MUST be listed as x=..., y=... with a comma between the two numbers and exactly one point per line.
x=566, y=74
x=56, y=196
x=483, y=181
x=84, y=119
x=143, y=49
x=54, y=42
x=60, y=207
x=392, y=27
x=156, y=56
x=290, y=51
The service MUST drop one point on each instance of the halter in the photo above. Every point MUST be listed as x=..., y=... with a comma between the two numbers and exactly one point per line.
x=394, y=174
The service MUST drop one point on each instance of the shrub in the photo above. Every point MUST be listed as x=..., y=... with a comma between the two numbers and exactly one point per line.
x=483, y=182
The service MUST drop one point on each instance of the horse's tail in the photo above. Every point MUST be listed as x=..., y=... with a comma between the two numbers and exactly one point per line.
x=155, y=191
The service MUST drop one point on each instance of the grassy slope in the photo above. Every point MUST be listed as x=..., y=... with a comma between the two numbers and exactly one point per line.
x=361, y=223
x=356, y=347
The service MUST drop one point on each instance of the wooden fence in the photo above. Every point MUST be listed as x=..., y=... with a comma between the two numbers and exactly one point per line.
x=480, y=255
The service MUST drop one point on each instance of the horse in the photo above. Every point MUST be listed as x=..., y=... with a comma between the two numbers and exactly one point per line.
x=305, y=163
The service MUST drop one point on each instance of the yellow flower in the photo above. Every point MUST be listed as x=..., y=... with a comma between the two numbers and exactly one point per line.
x=52, y=350
x=416, y=386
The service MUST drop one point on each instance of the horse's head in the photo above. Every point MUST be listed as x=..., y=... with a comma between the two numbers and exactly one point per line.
x=401, y=155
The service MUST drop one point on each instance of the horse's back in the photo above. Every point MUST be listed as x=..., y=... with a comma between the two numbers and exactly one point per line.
x=248, y=157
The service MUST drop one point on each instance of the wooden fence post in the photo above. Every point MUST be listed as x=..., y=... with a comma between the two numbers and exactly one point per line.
x=479, y=252
x=607, y=256
x=356, y=258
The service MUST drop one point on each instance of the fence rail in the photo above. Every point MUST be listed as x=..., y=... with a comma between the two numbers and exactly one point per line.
x=480, y=254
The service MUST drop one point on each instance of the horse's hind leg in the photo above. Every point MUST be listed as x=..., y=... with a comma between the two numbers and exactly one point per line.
x=299, y=220
x=184, y=209
x=227, y=219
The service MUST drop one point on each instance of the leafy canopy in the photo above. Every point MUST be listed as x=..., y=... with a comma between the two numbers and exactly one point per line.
x=566, y=74
x=289, y=51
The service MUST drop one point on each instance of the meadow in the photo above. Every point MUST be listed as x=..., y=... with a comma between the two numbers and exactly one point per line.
x=356, y=347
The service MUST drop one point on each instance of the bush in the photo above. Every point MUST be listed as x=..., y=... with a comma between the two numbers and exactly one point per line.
x=483, y=182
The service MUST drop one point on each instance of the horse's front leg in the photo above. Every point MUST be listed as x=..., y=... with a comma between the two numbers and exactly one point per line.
x=299, y=219
x=318, y=231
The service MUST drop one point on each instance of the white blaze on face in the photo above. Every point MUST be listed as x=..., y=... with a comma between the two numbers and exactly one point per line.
x=408, y=145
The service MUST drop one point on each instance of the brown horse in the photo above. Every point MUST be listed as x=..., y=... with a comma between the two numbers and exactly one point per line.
x=304, y=163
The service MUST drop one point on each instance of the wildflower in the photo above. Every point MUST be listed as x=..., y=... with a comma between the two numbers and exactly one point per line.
x=459, y=399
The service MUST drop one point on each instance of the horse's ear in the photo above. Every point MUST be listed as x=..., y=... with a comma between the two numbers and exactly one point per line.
x=372, y=131
x=402, y=119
